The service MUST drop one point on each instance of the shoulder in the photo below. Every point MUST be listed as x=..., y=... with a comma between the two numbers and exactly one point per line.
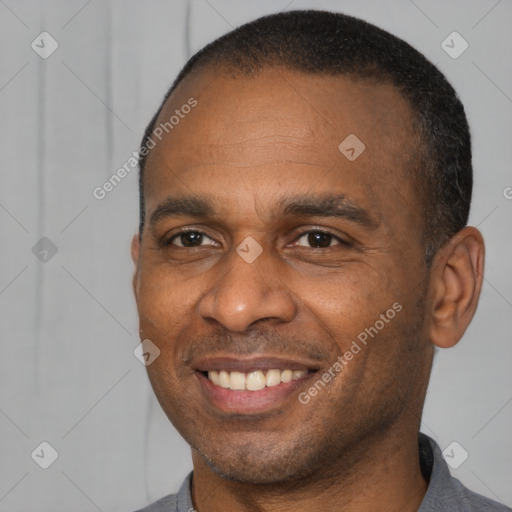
x=446, y=492
x=179, y=502
x=166, y=504
x=472, y=502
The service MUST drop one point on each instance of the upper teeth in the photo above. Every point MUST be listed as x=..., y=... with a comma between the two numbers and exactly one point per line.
x=253, y=381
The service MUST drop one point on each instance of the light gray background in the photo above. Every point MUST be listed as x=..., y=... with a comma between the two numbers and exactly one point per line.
x=69, y=327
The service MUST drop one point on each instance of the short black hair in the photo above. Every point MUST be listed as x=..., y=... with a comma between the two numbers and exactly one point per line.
x=321, y=42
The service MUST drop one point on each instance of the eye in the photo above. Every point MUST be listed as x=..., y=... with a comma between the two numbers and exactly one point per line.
x=318, y=240
x=190, y=239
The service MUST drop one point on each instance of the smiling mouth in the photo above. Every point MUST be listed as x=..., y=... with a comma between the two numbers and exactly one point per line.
x=249, y=386
x=253, y=381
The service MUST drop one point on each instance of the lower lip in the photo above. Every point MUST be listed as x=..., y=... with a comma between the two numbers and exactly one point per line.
x=249, y=402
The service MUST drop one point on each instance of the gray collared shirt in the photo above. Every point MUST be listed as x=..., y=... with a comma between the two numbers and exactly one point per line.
x=444, y=494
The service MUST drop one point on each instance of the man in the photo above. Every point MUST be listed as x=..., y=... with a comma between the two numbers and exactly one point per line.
x=303, y=247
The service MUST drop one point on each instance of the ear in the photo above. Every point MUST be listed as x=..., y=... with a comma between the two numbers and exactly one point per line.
x=456, y=281
x=135, y=250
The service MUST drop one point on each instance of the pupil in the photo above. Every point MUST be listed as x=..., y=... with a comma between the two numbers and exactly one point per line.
x=319, y=239
x=191, y=239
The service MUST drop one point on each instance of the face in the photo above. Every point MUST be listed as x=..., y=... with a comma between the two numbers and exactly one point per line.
x=281, y=278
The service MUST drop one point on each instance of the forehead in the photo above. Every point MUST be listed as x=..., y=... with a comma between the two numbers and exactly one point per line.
x=282, y=127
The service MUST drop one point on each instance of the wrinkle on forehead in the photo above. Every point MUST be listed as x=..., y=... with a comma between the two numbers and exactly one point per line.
x=279, y=111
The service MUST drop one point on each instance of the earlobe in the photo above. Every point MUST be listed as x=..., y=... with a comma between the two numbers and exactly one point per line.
x=456, y=281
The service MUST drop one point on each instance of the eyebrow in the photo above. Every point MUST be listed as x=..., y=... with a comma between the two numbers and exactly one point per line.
x=182, y=206
x=336, y=205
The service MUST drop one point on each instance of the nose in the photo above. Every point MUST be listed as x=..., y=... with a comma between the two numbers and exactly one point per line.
x=246, y=293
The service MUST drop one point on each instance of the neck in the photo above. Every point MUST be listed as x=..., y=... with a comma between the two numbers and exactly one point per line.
x=383, y=476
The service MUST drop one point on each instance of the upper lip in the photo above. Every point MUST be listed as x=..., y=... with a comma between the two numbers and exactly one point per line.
x=250, y=364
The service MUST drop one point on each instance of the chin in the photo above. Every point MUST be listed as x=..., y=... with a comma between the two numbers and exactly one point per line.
x=250, y=464
x=263, y=474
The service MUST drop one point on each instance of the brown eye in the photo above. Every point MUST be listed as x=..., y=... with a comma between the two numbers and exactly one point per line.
x=318, y=240
x=190, y=239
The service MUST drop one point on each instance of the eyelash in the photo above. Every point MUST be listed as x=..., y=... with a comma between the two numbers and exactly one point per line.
x=169, y=241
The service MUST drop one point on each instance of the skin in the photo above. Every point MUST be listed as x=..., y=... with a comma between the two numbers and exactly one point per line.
x=251, y=144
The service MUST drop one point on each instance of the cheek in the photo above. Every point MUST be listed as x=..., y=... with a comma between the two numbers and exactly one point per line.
x=165, y=305
x=164, y=300
x=367, y=320
x=348, y=303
